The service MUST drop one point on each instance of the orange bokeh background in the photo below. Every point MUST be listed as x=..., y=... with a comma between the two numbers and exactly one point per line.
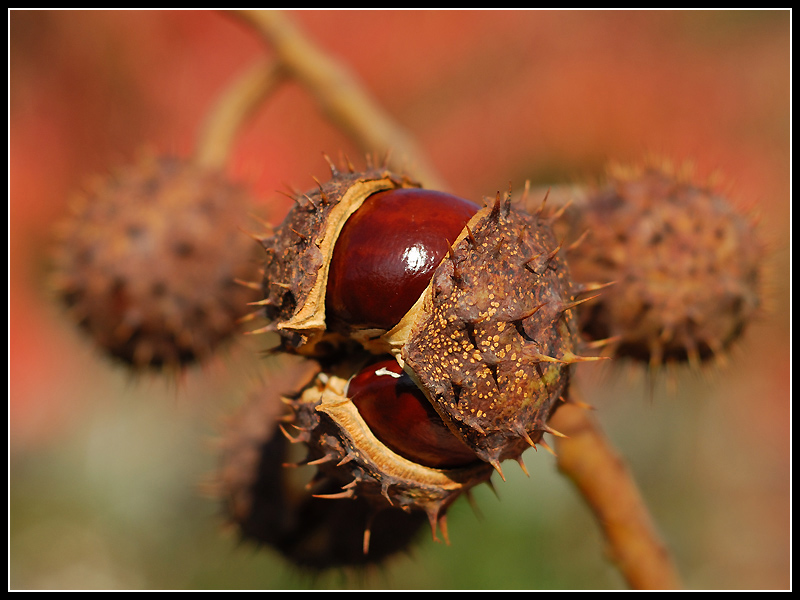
x=491, y=97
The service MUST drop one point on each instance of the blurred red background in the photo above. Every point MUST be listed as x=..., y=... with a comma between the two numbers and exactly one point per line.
x=491, y=97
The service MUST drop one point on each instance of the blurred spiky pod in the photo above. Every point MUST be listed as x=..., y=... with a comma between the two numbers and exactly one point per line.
x=269, y=502
x=149, y=260
x=686, y=266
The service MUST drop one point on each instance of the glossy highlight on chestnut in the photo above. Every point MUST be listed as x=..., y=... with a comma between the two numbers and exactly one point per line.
x=387, y=251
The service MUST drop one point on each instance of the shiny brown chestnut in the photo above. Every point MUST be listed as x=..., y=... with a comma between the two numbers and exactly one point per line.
x=400, y=415
x=387, y=251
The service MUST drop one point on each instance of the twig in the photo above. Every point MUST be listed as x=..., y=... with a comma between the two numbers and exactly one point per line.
x=235, y=105
x=586, y=457
x=341, y=96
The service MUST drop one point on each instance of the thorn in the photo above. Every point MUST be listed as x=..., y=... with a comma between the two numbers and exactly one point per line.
x=596, y=344
x=473, y=505
x=553, y=253
x=249, y=284
x=365, y=545
x=334, y=170
x=496, y=464
x=288, y=436
x=537, y=357
x=433, y=521
x=345, y=460
x=540, y=210
x=259, y=238
x=261, y=221
x=495, y=214
x=546, y=428
x=532, y=312
x=264, y=302
x=322, y=195
x=310, y=201
x=298, y=234
x=443, y=529
x=385, y=492
x=287, y=418
x=471, y=237
x=528, y=262
x=451, y=254
x=252, y=316
x=508, y=199
x=522, y=465
x=528, y=439
x=525, y=192
x=350, y=166
x=583, y=288
x=270, y=328
x=560, y=212
x=565, y=307
x=343, y=494
x=580, y=404
x=570, y=357
x=291, y=195
x=574, y=245
x=386, y=158
x=494, y=489
x=547, y=447
x=322, y=460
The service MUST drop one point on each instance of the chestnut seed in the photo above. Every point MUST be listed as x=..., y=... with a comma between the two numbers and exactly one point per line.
x=386, y=254
x=399, y=415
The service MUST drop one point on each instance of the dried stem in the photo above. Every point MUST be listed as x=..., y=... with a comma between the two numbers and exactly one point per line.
x=586, y=457
x=234, y=106
x=340, y=95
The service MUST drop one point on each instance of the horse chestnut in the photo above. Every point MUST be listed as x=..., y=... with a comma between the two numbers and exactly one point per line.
x=149, y=262
x=402, y=418
x=475, y=308
x=697, y=280
x=387, y=251
x=268, y=505
x=346, y=449
x=299, y=256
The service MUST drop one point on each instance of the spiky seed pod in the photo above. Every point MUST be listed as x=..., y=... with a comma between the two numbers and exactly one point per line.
x=686, y=267
x=487, y=339
x=267, y=504
x=298, y=257
x=344, y=448
x=492, y=338
x=148, y=264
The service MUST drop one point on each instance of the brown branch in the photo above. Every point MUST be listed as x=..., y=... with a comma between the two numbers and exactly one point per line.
x=234, y=106
x=602, y=477
x=340, y=95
